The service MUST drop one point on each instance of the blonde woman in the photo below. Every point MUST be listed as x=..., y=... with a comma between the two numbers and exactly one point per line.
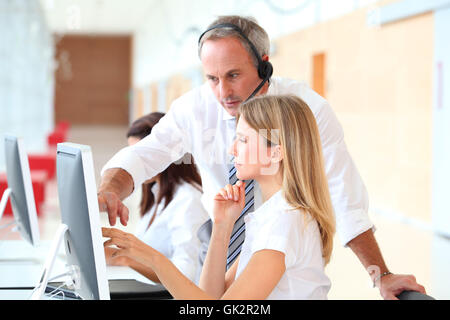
x=289, y=239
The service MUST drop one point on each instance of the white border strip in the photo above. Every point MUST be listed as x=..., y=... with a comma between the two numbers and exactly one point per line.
x=409, y=8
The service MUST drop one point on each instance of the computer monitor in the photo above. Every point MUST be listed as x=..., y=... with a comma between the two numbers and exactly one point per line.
x=81, y=229
x=20, y=190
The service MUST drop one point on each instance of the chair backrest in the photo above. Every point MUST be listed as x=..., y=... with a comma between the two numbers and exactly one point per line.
x=414, y=295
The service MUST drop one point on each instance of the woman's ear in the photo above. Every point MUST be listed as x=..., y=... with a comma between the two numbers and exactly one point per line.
x=277, y=153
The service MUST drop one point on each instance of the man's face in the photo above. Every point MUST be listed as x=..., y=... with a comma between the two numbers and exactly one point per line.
x=230, y=72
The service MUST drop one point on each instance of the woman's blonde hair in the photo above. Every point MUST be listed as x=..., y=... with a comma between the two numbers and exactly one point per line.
x=288, y=121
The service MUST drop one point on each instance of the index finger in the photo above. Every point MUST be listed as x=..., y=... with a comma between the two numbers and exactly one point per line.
x=112, y=232
x=107, y=232
x=105, y=206
x=242, y=194
x=123, y=214
x=113, y=205
x=101, y=203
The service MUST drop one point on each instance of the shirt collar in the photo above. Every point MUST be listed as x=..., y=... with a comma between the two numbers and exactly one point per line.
x=226, y=115
x=276, y=202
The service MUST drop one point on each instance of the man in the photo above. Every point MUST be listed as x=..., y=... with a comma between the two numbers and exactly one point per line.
x=202, y=122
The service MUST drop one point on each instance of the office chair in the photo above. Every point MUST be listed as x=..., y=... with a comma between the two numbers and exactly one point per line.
x=414, y=295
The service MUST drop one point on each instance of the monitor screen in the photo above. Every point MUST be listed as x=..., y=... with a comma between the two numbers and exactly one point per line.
x=78, y=202
x=19, y=182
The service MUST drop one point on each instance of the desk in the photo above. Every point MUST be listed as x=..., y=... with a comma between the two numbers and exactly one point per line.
x=23, y=294
x=21, y=264
x=14, y=250
x=21, y=267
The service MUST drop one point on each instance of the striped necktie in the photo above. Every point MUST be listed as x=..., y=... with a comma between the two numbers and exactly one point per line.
x=238, y=233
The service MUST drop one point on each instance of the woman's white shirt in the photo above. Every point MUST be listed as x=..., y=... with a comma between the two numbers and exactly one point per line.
x=174, y=229
x=277, y=226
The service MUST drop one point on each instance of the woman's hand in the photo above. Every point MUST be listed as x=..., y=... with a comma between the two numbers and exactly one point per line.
x=229, y=203
x=128, y=247
x=113, y=260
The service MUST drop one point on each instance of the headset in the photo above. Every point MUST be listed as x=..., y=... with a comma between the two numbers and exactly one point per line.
x=265, y=68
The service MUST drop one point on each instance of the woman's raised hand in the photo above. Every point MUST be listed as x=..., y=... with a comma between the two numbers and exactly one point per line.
x=229, y=203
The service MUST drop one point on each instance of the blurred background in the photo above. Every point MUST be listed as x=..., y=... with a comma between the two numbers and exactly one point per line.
x=83, y=70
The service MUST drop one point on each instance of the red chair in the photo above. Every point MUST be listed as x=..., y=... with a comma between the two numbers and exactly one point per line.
x=59, y=134
x=38, y=180
x=43, y=161
x=63, y=126
x=56, y=137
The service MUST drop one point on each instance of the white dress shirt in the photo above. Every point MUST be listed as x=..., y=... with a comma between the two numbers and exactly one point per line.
x=173, y=232
x=198, y=124
x=277, y=226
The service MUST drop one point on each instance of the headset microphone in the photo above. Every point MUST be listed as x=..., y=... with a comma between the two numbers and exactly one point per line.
x=265, y=68
x=260, y=85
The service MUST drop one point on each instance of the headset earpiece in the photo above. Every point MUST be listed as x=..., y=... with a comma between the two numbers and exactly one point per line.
x=265, y=70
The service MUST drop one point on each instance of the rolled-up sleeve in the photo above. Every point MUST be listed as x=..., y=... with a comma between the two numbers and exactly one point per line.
x=348, y=194
x=347, y=190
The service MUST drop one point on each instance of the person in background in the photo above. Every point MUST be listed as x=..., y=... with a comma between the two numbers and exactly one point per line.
x=171, y=211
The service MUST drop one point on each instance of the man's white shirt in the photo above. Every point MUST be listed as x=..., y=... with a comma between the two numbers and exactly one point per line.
x=197, y=124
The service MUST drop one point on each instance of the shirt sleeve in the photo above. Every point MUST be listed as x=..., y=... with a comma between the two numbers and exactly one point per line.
x=347, y=190
x=280, y=234
x=167, y=143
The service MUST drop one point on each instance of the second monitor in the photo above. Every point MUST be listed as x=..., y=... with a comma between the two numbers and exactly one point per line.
x=80, y=229
x=20, y=190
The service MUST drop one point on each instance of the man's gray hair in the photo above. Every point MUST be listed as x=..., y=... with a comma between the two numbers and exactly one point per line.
x=250, y=28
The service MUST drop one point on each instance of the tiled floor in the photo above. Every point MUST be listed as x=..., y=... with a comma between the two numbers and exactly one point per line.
x=407, y=249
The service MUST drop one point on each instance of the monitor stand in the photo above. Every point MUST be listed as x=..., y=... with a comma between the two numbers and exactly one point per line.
x=39, y=290
x=4, y=201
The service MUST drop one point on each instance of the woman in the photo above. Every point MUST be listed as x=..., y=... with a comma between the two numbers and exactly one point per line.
x=288, y=239
x=171, y=211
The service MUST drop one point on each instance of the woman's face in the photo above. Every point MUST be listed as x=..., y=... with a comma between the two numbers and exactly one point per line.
x=133, y=140
x=252, y=157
